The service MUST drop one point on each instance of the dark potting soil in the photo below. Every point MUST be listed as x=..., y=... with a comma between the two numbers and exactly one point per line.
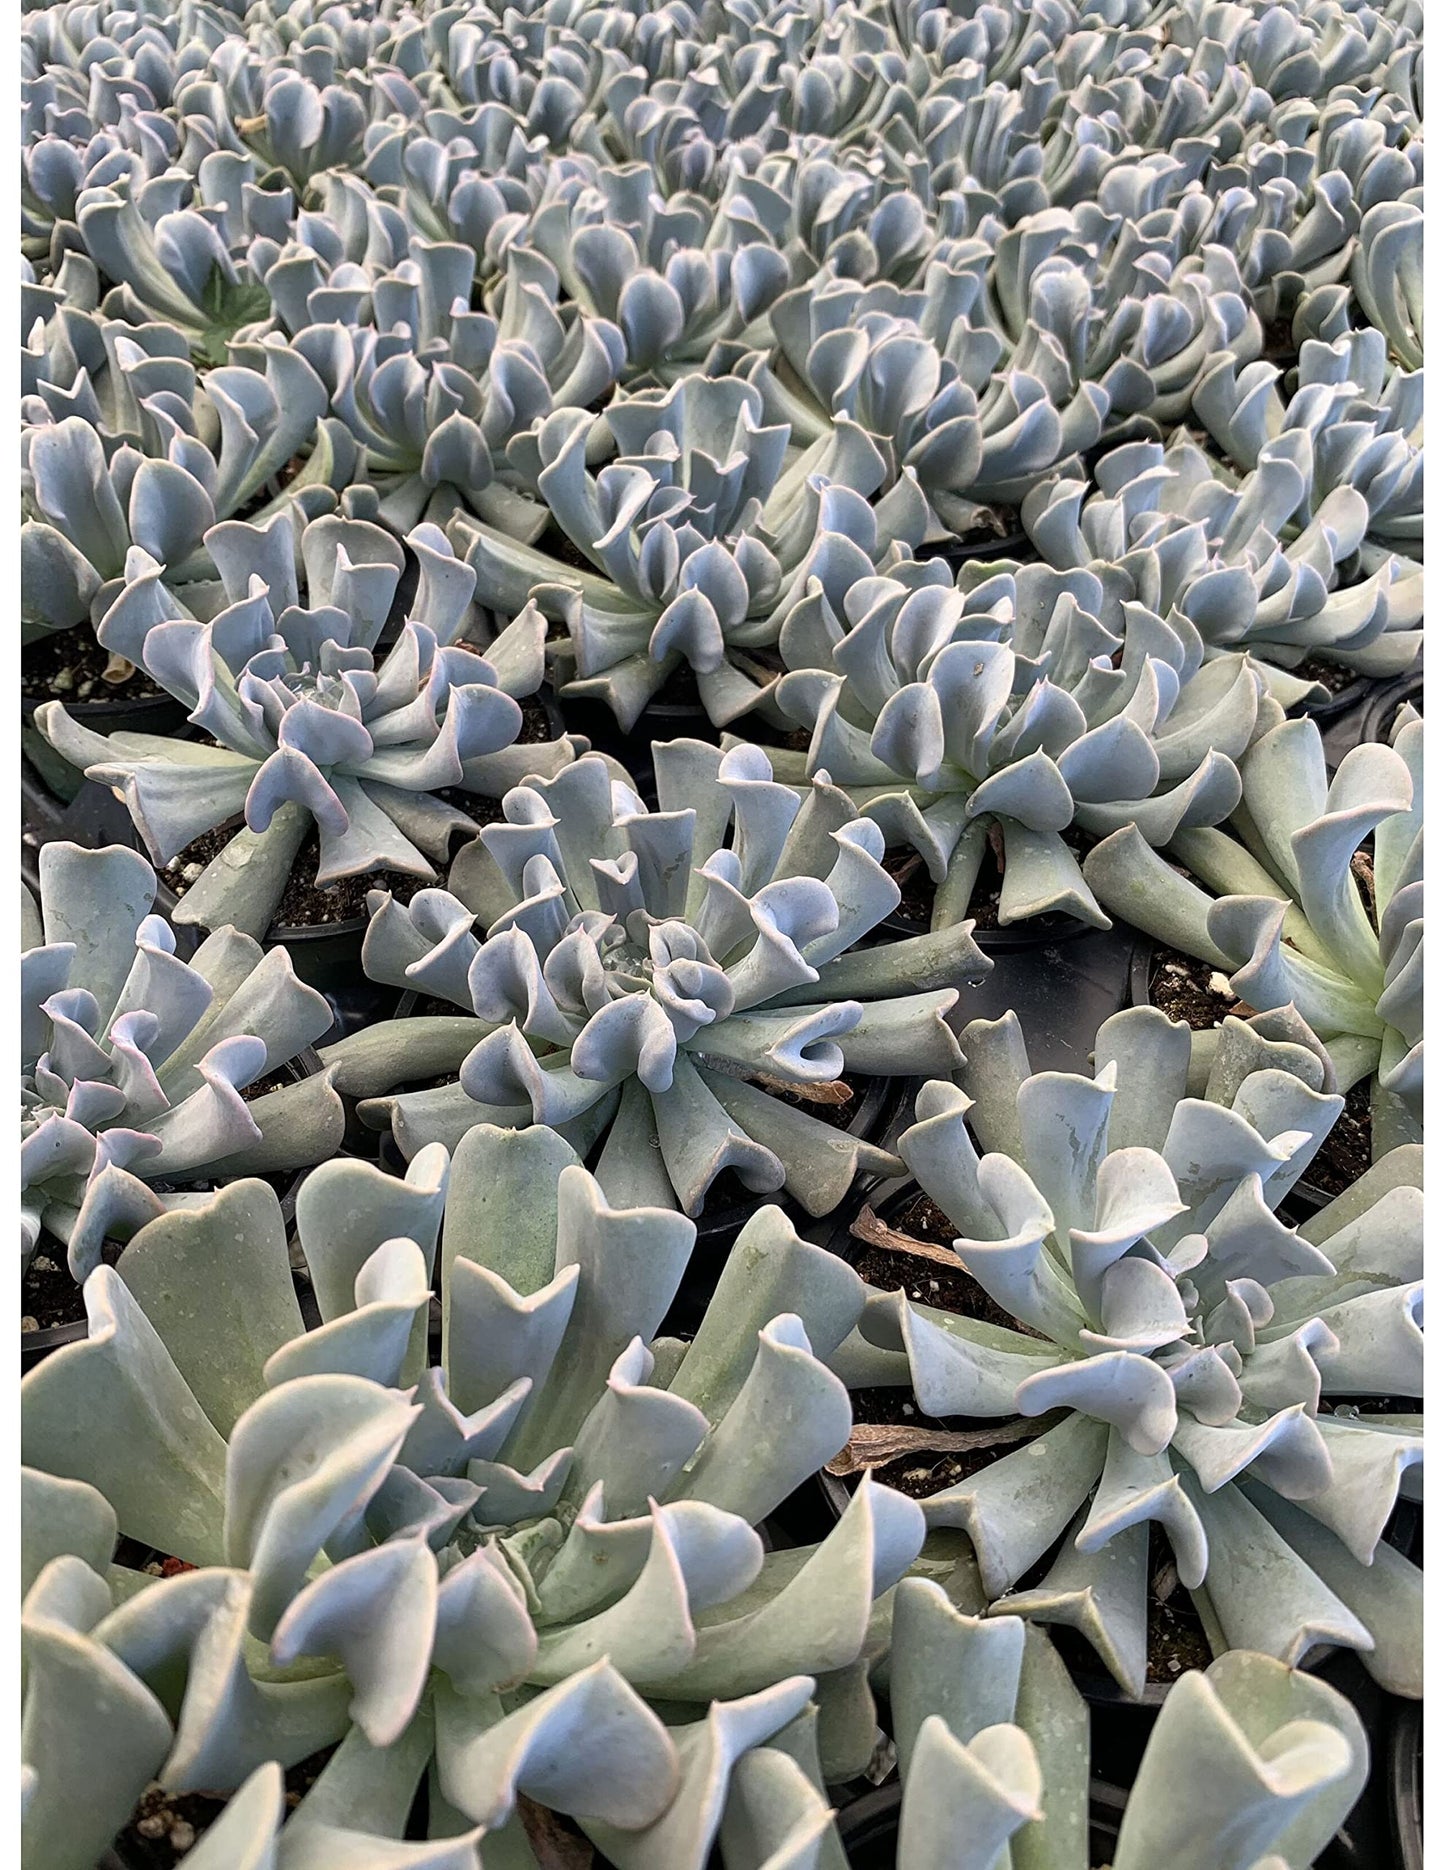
x=432, y=1007
x=910, y=873
x=69, y=666
x=1182, y=987
x=1333, y=676
x=946, y=1287
x=1177, y=1641
x=1345, y=1407
x=477, y=806
x=302, y=905
x=164, y=1825
x=48, y=1294
x=1344, y=1155
x=923, y=1471
x=927, y=1283
x=536, y=727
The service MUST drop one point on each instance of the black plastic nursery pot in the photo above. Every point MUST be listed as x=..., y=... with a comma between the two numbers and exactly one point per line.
x=869, y=1826
x=1386, y=702
x=1335, y=704
x=1005, y=539
x=1407, y=1788
x=92, y=816
x=1062, y=985
x=674, y=719
x=1371, y=714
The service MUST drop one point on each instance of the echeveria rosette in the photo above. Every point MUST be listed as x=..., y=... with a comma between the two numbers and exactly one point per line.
x=308, y=725
x=1388, y=275
x=1162, y=527
x=1249, y=1763
x=636, y=972
x=945, y=712
x=670, y=276
x=1351, y=422
x=923, y=381
x=489, y=1567
x=200, y=461
x=1291, y=920
x=435, y=393
x=174, y=268
x=694, y=529
x=133, y=1061
x=1176, y=1337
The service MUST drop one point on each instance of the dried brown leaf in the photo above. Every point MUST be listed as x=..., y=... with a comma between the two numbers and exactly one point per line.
x=875, y=1233
x=834, y=1092
x=875, y=1444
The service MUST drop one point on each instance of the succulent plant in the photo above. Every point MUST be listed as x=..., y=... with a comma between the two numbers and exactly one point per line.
x=996, y=710
x=1347, y=425
x=201, y=462
x=1299, y=914
x=486, y=1568
x=436, y=392
x=1165, y=530
x=935, y=387
x=1388, y=276
x=1176, y=1337
x=640, y=976
x=669, y=275
x=133, y=1061
x=177, y=268
x=1248, y=1763
x=694, y=530
x=308, y=726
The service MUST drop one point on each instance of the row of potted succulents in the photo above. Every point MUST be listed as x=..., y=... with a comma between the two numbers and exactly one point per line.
x=722, y=988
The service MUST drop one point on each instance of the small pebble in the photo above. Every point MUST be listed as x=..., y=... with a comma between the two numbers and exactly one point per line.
x=908, y=1408
x=152, y=1827
x=42, y=1264
x=154, y=1568
x=27, y=1323
x=192, y=871
x=85, y=688
x=1173, y=1665
x=63, y=681
x=183, y=1836
x=1219, y=983
x=933, y=1285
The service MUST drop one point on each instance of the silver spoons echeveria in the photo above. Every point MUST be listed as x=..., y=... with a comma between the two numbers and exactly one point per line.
x=700, y=515
x=658, y=978
x=1006, y=703
x=1185, y=1353
x=310, y=726
x=208, y=449
x=435, y=393
x=133, y=1062
x=1248, y=1763
x=1289, y=905
x=1163, y=527
x=528, y=1569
